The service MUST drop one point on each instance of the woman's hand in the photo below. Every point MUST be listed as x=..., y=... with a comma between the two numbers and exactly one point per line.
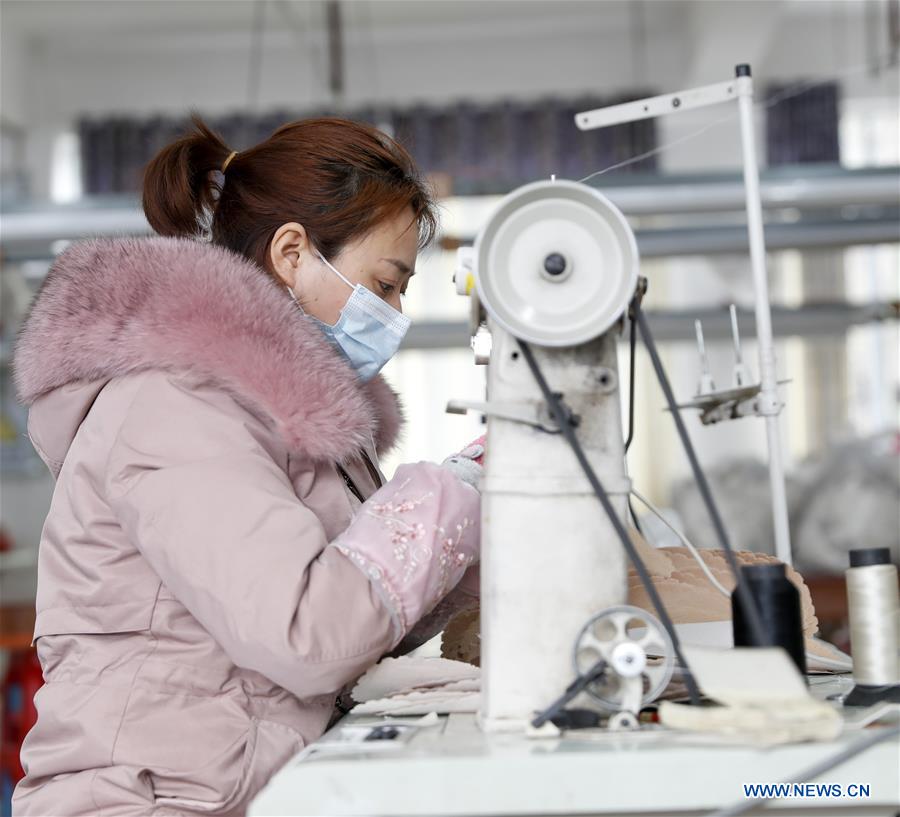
x=475, y=450
x=415, y=538
x=467, y=464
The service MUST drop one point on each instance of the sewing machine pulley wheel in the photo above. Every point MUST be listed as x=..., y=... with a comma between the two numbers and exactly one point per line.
x=556, y=264
x=634, y=644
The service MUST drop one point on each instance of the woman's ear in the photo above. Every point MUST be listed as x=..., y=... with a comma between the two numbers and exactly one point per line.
x=287, y=250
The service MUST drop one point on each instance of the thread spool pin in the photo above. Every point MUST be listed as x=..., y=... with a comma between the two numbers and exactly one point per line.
x=707, y=384
x=741, y=372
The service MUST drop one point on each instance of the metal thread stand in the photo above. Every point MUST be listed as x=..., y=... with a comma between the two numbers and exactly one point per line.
x=767, y=404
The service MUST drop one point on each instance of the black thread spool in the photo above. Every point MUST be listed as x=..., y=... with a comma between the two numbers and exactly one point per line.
x=778, y=602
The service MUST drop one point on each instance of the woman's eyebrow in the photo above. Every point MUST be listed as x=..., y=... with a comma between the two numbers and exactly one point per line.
x=400, y=266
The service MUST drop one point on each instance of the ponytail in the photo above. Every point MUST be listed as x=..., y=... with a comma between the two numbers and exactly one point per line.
x=335, y=177
x=179, y=190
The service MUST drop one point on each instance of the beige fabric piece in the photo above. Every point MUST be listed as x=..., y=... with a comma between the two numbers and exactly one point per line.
x=461, y=640
x=688, y=594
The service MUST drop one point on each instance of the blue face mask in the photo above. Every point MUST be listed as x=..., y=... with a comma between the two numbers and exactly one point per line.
x=368, y=331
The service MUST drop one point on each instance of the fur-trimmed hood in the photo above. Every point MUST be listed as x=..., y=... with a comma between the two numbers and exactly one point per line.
x=110, y=307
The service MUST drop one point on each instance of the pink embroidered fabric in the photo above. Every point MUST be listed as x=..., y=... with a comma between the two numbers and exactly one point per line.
x=414, y=538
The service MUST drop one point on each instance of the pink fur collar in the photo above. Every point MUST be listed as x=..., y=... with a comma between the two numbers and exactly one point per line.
x=113, y=306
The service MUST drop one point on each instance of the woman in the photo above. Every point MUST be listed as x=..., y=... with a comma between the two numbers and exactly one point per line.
x=221, y=557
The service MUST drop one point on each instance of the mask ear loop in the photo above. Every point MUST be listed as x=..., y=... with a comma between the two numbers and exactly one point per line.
x=294, y=298
x=334, y=270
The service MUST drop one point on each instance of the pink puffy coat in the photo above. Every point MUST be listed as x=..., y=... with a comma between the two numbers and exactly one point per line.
x=193, y=622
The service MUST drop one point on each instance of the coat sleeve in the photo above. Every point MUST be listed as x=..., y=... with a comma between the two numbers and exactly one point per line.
x=195, y=488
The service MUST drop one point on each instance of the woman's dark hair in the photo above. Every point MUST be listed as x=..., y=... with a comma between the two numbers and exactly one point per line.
x=337, y=178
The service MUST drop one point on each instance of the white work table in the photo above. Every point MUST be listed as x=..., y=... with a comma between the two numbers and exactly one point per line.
x=453, y=768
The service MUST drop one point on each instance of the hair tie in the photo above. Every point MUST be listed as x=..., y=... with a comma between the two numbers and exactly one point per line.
x=228, y=160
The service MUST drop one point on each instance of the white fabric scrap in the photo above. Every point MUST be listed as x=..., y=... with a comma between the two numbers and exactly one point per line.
x=412, y=686
x=764, y=698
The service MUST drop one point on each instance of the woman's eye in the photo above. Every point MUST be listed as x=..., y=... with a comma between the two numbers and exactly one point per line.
x=387, y=289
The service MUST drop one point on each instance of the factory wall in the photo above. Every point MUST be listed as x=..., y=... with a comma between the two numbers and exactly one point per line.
x=515, y=50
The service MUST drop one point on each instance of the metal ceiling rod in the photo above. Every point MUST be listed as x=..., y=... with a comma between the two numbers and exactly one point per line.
x=335, y=49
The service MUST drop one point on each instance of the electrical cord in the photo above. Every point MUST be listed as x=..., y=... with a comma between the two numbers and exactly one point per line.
x=681, y=538
x=634, y=518
x=632, y=344
x=748, y=603
x=566, y=422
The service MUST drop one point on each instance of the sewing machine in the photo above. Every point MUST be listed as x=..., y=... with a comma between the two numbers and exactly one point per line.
x=557, y=266
x=552, y=276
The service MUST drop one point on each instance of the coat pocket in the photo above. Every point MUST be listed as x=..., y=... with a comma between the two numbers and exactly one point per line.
x=98, y=619
x=217, y=785
x=81, y=644
x=266, y=748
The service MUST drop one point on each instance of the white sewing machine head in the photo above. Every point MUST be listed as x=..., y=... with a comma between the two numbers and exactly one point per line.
x=556, y=266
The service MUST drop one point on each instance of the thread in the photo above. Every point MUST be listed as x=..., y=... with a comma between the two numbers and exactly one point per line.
x=778, y=602
x=882, y=61
x=874, y=606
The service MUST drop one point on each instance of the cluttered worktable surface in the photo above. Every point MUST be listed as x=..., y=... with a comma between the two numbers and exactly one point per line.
x=447, y=765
